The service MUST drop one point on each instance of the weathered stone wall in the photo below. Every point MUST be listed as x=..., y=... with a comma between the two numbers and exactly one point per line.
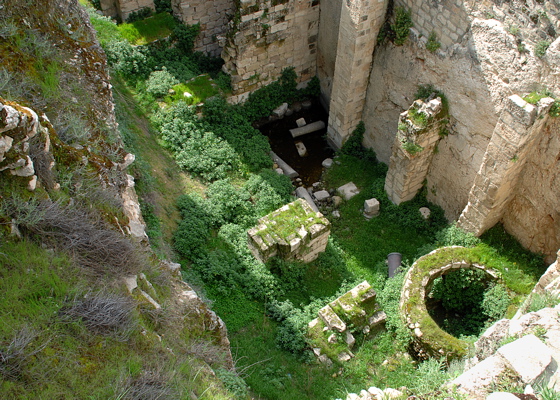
x=267, y=38
x=519, y=128
x=360, y=22
x=326, y=47
x=533, y=215
x=213, y=19
x=477, y=74
x=448, y=19
x=122, y=8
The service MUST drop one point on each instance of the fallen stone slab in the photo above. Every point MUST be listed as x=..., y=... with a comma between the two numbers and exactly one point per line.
x=309, y=128
x=321, y=195
x=302, y=193
x=289, y=171
x=371, y=208
x=331, y=320
x=477, y=380
x=348, y=191
x=529, y=357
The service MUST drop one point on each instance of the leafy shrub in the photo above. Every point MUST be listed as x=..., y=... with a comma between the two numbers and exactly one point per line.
x=495, y=302
x=429, y=377
x=233, y=382
x=456, y=236
x=163, y=6
x=541, y=48
x=555, y=109
x=389, y=299
x=353, y=146
x=160, y=82
x=433, y=43
x=142, y=13
x=539, y=301
x=231, y=204
x=411, y=147
x=127, y=60
x=184, y=37
x=190, y=237
x=402, y=25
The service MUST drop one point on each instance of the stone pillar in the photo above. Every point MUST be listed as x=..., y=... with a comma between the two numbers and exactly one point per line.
x=509, y=148
x=360, y=22
x=413, y=149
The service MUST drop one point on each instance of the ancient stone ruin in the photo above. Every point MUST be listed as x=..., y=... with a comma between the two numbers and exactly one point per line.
x=293, y=232
x=355, y=312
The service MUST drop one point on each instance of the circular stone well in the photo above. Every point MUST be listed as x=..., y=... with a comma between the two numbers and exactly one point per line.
x=429, y=339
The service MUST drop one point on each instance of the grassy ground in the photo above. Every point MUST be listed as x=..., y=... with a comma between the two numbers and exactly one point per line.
x=147, y=30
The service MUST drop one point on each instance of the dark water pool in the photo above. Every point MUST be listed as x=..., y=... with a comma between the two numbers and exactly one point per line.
x=282, y=143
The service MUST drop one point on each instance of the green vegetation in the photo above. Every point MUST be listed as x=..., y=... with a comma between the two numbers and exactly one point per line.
x=148, y=30
x=541, y=48
x=402, y=25
x=433, y=43
x=412, y=148
x=55, y=298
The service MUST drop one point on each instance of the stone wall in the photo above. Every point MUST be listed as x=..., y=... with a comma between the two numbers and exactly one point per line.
x=533, y=215
x=511, y=146
x=448, y=19
x=212, y=17
x=267, y=38
x=122, y=8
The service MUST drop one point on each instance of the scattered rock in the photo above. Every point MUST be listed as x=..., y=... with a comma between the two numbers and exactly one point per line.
x=32, y=184
x=306, y=104
x=371, y=208
x=344, y=357
x=279, y=171
x=502, y=396
x=337, y=201
x=131, y=282
x=321, y=195
x=280, y=111
x=187, y=95
x=336, y=214
x=301, y=122
x=425, y=212
x=327, y=162
x=289, y=112
x=301, y=149
x=348, y=191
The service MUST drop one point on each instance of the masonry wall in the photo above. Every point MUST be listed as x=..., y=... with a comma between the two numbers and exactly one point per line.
x=213, y=17
x=533, y=215
x=448, y=19
x=267, y=38
x=122, y=8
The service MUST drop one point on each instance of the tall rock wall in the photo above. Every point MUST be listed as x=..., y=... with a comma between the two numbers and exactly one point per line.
x=329, y=24
x=533, y=215
x=213, y=17
x=268, y=36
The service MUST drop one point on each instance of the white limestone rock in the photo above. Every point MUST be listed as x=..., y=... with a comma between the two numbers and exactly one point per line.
x=528, y=356
x=348, y=190
x=321, y=195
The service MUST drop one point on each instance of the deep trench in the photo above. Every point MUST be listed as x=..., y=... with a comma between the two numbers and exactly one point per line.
x=282, y=143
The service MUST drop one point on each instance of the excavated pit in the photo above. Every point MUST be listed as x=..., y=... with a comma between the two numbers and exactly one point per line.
x=282, y=143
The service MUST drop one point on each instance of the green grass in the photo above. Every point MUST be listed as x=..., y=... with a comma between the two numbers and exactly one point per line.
x=200, y=88
x=147, y=30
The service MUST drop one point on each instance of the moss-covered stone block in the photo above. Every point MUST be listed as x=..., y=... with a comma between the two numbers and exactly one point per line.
x=294, y=231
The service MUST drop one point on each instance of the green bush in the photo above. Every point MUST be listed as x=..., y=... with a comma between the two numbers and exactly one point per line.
x=456, y=236
x=433, y=43
x=233, y=382
x=353, y=146
x=138, y=15
x=541, y=48
x=402, y=25
x=495, y=302
x=160, y=82
x=127, y=60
